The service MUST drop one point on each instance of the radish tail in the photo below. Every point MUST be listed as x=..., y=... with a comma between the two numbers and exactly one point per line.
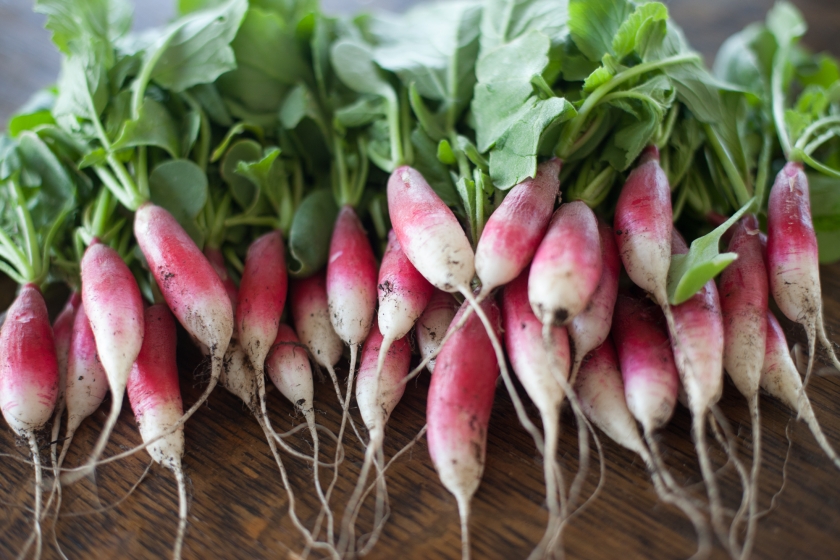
x=829, y=347
x=88, y=468
x=698, y=429
x=806, y=412
x=500, y=358
x=464, y=512
x=670, y=493
x=310, y=420
x=575, y=368
x=36, y=457
x=182, y=510
x=346, y=541
x=812, y=351
x=553, y=481
x=756, y=467
x=784, y=475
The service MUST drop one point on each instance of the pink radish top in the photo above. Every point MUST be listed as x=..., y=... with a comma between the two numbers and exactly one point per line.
x=28, y=364
x=433, y=324
x=514, y=230
x=190, y=285
x=262, y=294
x=376, y=408
x=429, y=232
x=62, y=333
x=114, y=308
x=153, y=382
x=403, y=292
x=698, y=341
x=567, y=265
x=601, y=392
x=217, y=261
x=351, y=279
x=525, y=348
x=743, y=299
x=311, y=314
x=647, y=361
x=87, y=382
x=460, y=400
x=643, y=221
x=793, y=259
x=288, y=367
x=590, y=328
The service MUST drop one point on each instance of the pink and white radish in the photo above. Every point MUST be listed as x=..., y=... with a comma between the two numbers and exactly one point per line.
x=533, y=366
x=591, y=327
x=514, y=230
x=378, y=390
x=28, y=377
x=697, y=342
x=155, y=397
x=62, y=333
x=643, y=223
x=793, y=260
x=458, y=410
x=743, y=298
x=217, y=261
x=432, y=325
x=114, y=307
x=601, y=391
x=567, y=265
x=781, y=379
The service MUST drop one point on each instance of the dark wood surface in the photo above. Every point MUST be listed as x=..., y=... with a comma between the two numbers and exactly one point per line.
x=238, y=508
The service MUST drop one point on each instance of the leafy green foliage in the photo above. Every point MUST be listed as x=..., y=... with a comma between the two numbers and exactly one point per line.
x=595, y=24
x=180, y=186
x=311, y=231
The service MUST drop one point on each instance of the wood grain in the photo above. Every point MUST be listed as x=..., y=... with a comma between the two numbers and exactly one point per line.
x=238, y=508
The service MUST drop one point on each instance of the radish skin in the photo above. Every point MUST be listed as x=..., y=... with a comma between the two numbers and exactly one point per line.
x=793, y=259
x=217, y=261
x=590, y=328
x=378, y=391
x=743, y=295
x=432, y=326
x=567, y=265
x=28, y=378
x=458, y=410
x=114, y=308
x=62, y=333
x=781, y=379
x=514, y=230
x=533, y=366
x=155, y=397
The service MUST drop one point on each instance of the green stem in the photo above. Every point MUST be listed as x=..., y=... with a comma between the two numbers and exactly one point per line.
x=142, y=172
x=15, y=256
x=741, y=191
x=361, y=178
x=644, y=98
x=30, y=236
x=591, y=130
x=244, y=220
x=113, y=185
x=405, y=125
x=397, y=157
x=341, y=170
x=763, y=169
x=573, y=127
x=777, y=97
x=234, y=260
x=101, y=213
x=819, y=141
x=666, y=130
x=813, y=127
x=140, y=82
x=204, y=132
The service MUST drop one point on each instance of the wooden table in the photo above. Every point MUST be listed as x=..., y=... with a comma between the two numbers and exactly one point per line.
x=238, y=508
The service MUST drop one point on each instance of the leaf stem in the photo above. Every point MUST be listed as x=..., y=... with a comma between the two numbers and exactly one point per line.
x=572, y=129
x=29, y=234
x=14, y=255
x=740, y=188
x=808, y=132
x=244, y=220
x=777, y=98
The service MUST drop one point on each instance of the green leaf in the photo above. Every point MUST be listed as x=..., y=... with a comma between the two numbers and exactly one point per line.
x=242, y=189
x=353, y=62
x=211, y=101
x=364, y=110
x=269, y=175
x=154, y=127
x=595, y=23
x=445, y=154
x=514, y=157
x=56, y=191
x=180, y=186
x=196, y=48
x=598, y=77
x=82, y=90
x=75, y=23
x=636, y=27
x=96, y=157
x=786, y=23
x=299, y=104
x=232, y=133
x=505, y=20
x=36, y=112
x=690, y=272
x=309, y=237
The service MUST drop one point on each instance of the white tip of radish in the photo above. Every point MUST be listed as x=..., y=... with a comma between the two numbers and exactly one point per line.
x=311, y=314
x=168, y=450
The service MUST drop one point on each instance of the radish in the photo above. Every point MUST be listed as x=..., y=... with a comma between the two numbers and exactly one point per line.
x=792, y=258
x=217, y=261
x=697, y=341
x=433, y=324
x=287, y=364
x=533, y=366
x=62, y=334
x=514, y=230
x=567, y=265
x=602, y=396
x=114, y=308
x=384, y=364
x=780, y=378
x=28, y=377
x=434, y=242
x=643, y=223
x=458, y=410
x=155, y=397
x=262, y=295
x=743, y=291
x=590, y=328
x=191, y=287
